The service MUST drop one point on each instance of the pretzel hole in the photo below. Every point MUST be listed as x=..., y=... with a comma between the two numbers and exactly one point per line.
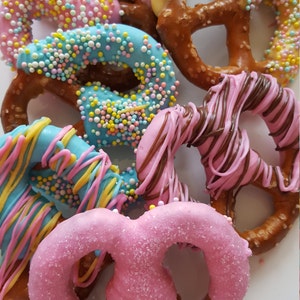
x=42, y=28
x=100, y=284
x=259, y=137
x=47, y=105
x=253, y=207
x=190, y=171
x=123, y=156
x=262, y=26
x=115, y=77
x=211, y=46
x=189, y=271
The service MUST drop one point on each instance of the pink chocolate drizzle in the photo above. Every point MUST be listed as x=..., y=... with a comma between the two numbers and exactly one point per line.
x=225, y=149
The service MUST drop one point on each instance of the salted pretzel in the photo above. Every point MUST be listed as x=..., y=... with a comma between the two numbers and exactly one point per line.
x=177, y=22
x=229, y=161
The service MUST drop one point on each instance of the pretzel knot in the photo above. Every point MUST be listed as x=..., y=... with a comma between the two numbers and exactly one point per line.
x=138, y=248
x=177, y=22
x=122, y=117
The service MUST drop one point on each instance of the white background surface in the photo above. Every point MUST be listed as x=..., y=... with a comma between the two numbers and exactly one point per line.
x=275, y=274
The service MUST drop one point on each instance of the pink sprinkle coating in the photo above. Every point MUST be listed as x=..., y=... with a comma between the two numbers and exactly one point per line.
x=138, y=248
x=16, y=19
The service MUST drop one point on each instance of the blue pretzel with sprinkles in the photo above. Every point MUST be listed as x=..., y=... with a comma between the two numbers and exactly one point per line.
x=110, y=117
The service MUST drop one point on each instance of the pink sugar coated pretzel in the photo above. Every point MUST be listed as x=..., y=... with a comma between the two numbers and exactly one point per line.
x=229, y=161
x=138, y=248
x=16, y=19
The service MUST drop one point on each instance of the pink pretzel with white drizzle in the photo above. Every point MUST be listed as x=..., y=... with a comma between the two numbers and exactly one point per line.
x=229, y=161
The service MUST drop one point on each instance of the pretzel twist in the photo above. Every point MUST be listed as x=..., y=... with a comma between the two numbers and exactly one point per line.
x=139, y=13
x=109, y=117
x=177, y=22
x=155, y=74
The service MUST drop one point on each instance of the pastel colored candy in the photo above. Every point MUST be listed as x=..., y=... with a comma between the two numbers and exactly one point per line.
x=16, y=19
x=109, y=117
x=138, y=248
x=28, y=212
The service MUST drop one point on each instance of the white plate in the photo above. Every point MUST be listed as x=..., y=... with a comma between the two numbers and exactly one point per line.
x=275, y=274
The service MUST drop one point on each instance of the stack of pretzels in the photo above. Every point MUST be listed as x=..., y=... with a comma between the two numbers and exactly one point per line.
x=117, y=63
